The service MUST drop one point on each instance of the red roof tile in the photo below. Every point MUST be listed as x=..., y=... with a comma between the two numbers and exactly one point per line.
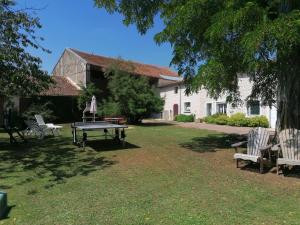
x=61, y=87
x=138, y=68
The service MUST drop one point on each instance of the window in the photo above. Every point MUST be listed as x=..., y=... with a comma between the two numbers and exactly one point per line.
x=187, y=107
x=253, y=108
x=222, y=108
x=176, y=90
x=208, y=109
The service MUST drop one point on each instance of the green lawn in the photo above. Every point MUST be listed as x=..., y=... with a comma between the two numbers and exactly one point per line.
x=165, y=175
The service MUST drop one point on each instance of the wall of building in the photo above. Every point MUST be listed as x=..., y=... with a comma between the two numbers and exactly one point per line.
x=72, y=66
x=199, y=102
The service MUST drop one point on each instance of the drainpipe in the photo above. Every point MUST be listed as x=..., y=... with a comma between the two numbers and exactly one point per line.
x=179, y=98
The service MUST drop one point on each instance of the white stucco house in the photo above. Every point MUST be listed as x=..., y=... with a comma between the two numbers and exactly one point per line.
x=201, y=105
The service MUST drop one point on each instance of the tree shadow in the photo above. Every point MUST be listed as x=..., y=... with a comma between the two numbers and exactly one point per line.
x=212, y=142
x=55, y=159
x=154, y=124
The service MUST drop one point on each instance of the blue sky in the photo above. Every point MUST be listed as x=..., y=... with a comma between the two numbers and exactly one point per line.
x=78, y=24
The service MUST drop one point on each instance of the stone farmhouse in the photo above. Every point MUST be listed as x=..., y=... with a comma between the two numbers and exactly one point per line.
x=81, y=68
x=76, y=68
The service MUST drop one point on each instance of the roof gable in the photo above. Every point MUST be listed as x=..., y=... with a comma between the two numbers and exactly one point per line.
x=62, y=87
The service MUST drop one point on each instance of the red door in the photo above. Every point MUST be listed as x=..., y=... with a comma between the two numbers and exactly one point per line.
x=175, y=110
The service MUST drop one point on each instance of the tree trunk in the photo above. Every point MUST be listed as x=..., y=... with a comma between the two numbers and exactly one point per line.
x=288, y=101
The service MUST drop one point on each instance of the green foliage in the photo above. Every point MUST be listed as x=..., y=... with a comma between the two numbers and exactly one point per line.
x=258, y=121
x=109, y=108
x=238, y=120
x=86, y=94
x=45, y=110
x=215, y=40
x=185, y=118
x=215, y=117
x=132, y=94
x=222, y=119
x=20, y=72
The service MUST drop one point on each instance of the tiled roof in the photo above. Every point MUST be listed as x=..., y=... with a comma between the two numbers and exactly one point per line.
x=61, y=87
x=138, y=68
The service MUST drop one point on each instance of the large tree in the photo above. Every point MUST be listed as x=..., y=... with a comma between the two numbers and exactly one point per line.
x=130, y=95
x=214, y=41
x=20, y=72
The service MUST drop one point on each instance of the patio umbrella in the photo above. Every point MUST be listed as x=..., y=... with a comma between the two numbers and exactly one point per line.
x=93, y=108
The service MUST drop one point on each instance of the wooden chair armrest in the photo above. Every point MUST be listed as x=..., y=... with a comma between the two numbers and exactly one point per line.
x=238, y=144
x=276, y=147
x=265, y=148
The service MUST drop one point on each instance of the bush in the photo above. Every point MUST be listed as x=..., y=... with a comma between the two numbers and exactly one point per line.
x=258, y=121
x=215, y=117
x=237, y=120
x=109, y=108
x=185, y=118
x=222, y=119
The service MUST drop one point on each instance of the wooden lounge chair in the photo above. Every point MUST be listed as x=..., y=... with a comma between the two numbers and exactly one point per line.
x=289, y=148
x=47, y=126
x=257, y=146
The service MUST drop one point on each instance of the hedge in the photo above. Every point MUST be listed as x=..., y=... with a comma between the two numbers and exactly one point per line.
x=238, y=120
x=184, y=118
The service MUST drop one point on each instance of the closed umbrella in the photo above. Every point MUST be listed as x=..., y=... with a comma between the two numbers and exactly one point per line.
x=93, y=108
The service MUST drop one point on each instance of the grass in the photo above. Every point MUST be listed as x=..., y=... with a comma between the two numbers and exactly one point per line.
x=165, y=175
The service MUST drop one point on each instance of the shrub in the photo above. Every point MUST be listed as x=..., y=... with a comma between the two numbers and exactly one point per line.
x=238, y=120
x=215, y=117
x=258, y=121
x=109, y=108
x=185, y=118
x=222, y=119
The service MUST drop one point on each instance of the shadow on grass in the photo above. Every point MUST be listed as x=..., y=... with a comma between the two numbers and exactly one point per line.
x=54, y=159
x=292, y=171
x=211, y=142
x=254, y=167
x=154, y=124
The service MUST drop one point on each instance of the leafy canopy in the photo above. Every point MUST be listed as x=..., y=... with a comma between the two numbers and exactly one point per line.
x=20, y=72
x=130, y=95
x=215, y=40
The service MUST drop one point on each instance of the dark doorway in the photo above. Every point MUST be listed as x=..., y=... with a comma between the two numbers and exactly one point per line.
x=175, y=110
x=1, y=109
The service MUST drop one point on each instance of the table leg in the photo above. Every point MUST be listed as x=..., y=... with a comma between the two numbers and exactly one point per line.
x=84, y=139
x=74, y=133
x=123, y=136
x=117, y=134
